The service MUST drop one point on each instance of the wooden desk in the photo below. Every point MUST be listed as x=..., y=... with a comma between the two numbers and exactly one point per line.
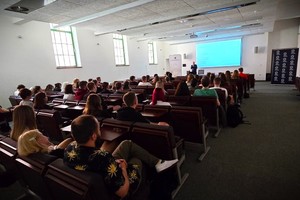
x=107, y=133
x=151, y=114
x=61, y=106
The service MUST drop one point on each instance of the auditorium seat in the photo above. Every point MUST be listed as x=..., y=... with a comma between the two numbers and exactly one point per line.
x=179, y=100
x=66, y=183
x=160, y=141
x=209, y=110
x=8, y=153
x=32, y=169
x=161, y=113
x=188, y=123
x=50, y=124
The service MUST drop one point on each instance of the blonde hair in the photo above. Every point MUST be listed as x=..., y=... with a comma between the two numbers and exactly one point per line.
x=27, y=143
x=23, y=119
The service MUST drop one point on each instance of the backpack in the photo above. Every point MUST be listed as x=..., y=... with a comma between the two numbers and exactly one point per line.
x=234, y=116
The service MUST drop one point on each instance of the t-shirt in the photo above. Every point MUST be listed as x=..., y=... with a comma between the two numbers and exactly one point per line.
x=205, y=92
x=84, y=158
x=130, y=114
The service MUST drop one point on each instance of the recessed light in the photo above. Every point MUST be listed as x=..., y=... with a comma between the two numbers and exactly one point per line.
x=19, y=9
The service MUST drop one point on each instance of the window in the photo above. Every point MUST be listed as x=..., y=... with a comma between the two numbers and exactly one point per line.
x=152, y=53
x=65, y=46
x=120, y=47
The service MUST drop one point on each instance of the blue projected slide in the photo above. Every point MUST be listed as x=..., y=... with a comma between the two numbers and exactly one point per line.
x=219, y=54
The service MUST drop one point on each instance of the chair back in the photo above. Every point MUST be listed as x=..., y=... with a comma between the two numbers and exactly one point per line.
x=66, y=183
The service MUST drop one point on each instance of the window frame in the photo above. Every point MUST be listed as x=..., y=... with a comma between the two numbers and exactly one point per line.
x=152, y=53
x=117, y=40
x=73, y=44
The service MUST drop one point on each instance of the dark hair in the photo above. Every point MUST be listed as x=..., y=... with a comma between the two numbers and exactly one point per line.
x=118, y=85
x=105, y=85
x=194, y=82
x=241, y=69
x=83, y=127
x=126, y=85
x=82, y=84
x=129, y=99
x=182, y=89
x=217, y=80
x=57, y=87
x=24, y=93
x=21, y=86
x=69, y=89
x=205, y=81
x=39, y=100
x=132, y=78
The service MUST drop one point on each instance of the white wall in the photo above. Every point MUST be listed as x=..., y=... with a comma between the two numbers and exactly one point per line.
x=284, y=35
x=30, y=60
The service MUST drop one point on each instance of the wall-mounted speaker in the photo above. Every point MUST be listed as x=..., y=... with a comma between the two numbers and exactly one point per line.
x=256, y=49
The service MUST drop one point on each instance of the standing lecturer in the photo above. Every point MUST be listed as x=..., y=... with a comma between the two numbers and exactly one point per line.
x=194, y=68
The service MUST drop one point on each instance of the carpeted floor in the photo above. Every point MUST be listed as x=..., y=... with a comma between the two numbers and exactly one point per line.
x=257, y=161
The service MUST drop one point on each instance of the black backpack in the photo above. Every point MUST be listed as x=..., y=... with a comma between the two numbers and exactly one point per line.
x=234, y=116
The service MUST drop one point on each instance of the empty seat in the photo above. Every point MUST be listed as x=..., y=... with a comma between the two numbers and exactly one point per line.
x=179, y=100
x=209, y=110
x=50, y=124
x=188, y=123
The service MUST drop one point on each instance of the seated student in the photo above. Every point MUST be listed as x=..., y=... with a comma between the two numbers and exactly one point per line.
x=129, y=113
x=5, y=117
x=92, y=89
x=182, y=89
x=205, y=91
x=57, y=87
x=69, y=93
x=158, y=95
x=75, y=84
x=144, y=82
x=24, y=120
x=217, y=85
x=132, y=81
x=105, y=89
x=118, y=88
x=121, y=170
x=36, y=89
x=241, y=73
x=19, y=88
x=126, y=86
x=81, y=91
x=94, y=107
x=34, y=141
x=49, y=89
x=40, y=101
x=26, y=94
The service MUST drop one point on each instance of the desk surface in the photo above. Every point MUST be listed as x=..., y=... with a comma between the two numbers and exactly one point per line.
x=107, y=133
x=153, y=114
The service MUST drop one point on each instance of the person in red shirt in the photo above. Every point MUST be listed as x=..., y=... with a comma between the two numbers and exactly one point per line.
x=158, y=93
x=241, y=74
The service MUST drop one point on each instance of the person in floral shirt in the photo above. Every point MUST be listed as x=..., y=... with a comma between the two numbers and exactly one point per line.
x=121, y=170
